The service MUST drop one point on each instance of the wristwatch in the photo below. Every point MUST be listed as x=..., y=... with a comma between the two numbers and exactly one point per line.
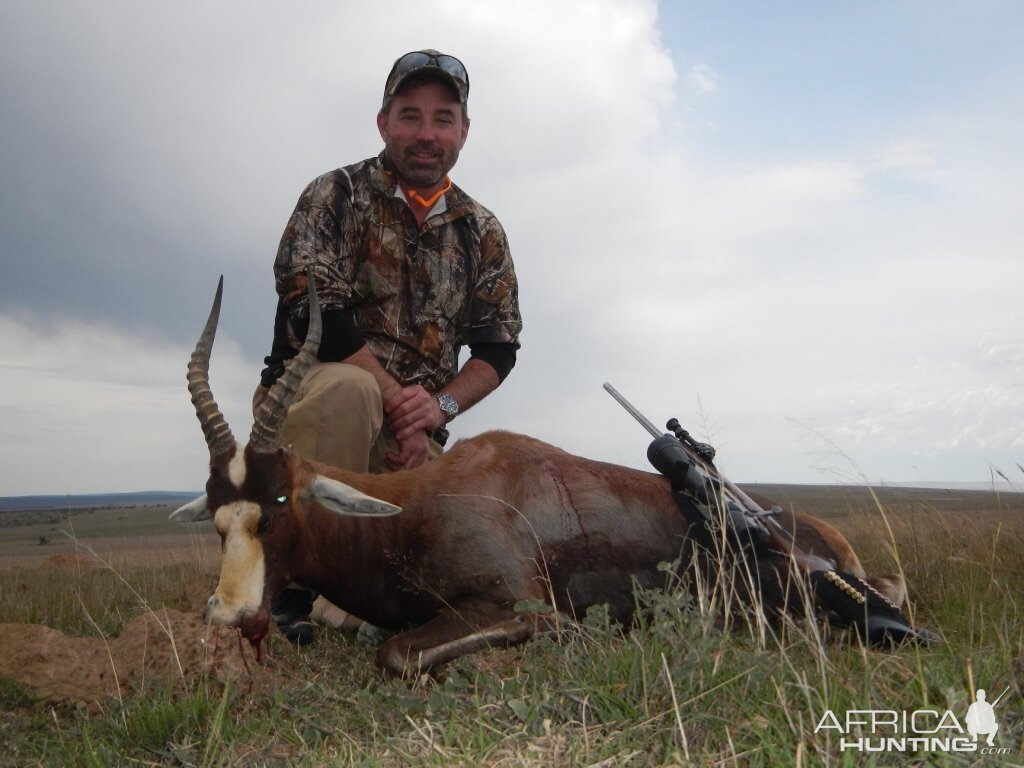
x=449, y=406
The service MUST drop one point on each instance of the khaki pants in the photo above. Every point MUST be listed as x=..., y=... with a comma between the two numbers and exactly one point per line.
x=338, y=418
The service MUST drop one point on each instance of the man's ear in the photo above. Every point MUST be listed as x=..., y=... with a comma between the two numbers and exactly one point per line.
x=382, y=125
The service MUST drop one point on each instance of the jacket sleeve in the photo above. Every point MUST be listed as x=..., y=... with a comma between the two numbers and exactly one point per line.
x=494, y=315
x=314, y=242
x=341, y=338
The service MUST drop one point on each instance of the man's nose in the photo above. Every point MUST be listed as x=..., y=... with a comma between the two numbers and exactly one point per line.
x=426, y=133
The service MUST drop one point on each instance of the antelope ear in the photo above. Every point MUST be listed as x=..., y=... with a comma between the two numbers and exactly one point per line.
x=346, y=500
x=193, y=512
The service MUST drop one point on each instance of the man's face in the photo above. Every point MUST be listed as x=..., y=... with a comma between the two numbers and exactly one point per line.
x=423, y=132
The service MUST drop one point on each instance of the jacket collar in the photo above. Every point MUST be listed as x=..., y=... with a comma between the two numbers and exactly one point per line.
x=456, y=202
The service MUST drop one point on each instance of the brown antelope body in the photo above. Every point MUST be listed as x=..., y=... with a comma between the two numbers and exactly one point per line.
x=443, y=553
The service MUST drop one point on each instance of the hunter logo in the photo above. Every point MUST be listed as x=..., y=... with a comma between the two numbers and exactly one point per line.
x=981, y=717
x=922, y=730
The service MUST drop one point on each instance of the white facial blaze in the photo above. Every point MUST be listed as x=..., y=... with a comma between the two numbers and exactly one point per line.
x=240, y=590
x=236, y=468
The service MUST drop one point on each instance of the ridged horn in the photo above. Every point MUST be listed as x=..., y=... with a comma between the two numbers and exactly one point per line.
x=215, y=426
x=266, y=431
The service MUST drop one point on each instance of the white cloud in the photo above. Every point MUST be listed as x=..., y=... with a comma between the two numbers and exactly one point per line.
x=907, y=155
x=944, y=405
x=701, y=78
x=91, y=408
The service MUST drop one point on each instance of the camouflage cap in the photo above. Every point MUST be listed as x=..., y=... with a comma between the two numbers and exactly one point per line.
x=445, y=68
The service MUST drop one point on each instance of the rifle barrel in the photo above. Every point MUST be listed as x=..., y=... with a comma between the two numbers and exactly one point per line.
x=644, y=421
x=1000, y=696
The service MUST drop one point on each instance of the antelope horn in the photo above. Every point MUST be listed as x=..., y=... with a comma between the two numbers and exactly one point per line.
x=265, y=435
x=215, y=427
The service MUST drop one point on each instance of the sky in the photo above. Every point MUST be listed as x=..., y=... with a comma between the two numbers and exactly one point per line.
x=795, y=226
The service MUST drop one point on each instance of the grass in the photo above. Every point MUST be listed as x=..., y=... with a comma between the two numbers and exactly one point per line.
x=676, y=690
x=79, y=602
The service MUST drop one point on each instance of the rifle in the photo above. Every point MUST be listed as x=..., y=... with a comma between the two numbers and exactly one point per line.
x=1000, y=697
x=748, y=530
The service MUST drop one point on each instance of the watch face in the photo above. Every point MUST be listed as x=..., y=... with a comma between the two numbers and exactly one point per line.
x=448, y=405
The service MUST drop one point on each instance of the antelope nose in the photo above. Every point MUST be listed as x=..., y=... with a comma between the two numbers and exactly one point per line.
x=211, y=606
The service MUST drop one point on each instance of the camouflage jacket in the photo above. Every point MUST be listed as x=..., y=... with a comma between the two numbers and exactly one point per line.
x=417, y=294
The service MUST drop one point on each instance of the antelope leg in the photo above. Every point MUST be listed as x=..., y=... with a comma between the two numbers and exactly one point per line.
x=453, y=633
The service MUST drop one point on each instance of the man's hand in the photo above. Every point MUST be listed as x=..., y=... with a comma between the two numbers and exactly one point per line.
x=414, y=451
x=411, y=413
x=413, y=410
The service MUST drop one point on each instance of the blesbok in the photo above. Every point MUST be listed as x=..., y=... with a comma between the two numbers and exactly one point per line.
x=445, y=552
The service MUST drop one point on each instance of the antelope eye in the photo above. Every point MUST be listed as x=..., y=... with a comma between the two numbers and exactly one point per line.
x=263, y=525
x=282, y=499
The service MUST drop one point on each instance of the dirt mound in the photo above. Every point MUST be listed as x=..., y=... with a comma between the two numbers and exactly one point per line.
x=155, y=647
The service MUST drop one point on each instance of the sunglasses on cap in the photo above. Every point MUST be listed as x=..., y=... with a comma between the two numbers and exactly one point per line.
x=417, y=60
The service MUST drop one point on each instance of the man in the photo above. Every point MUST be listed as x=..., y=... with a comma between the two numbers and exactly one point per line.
x=408, y=270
